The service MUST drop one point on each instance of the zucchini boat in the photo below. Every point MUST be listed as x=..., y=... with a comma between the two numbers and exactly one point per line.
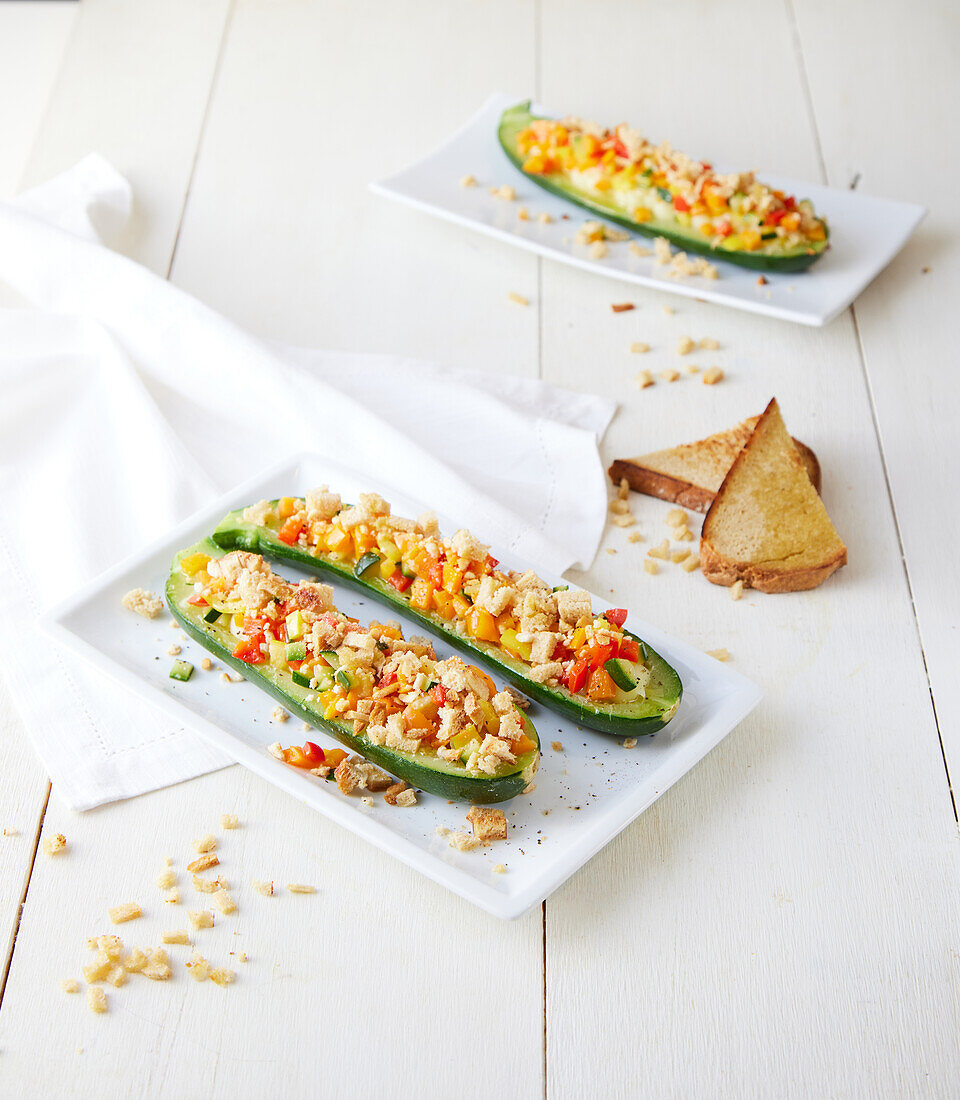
x=659, y=192
x=546, y=642
x=440, y=725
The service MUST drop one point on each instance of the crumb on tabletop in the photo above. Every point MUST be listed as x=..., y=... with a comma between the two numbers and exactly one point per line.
x=11, y=831
x=622, y=307
x=166, y=879
x=736, y=590
x=96, y=999
x=692, y=368
x=719, y=654
x=174, y=650
x=177, y=936
x=598, y=250
x=229, y=821
x=712, y=376
x=463, y=842
x=523, y=214
x=221, y=976
x=143, y=603
x=135, y=961
x=205, y=843
x=54, y=845
x=688, y=565
x=173, y=898
x=222, y=900
x=635, y=536
x=677, y=517
x=505, y=191
x=638, y=347
x=627, y=519
x=661, y=552
x=278, y=714
x=198, y=968
x=544, y=218
x=468, y=180
x=518, y=299
x=300, y=888
x=442, y=830
x=678, y=556
x=225, y=678
x=629, y=742
x=708, y=343
x=669, y=310
x=623, y=489
x=685, y=345
x=499, y=869
x=761, y=280
x=488, y=823
x=392, y=793
x=650, y=567
x=557, y=746
x=670, y=374
x=206, y=664
x=200, y=918
x=638, y=249
x=264, y=888
x=407, y=798
x=644, y=379
x=70, y=985
x=120, y=914
x=243, y=957
x=203, y=862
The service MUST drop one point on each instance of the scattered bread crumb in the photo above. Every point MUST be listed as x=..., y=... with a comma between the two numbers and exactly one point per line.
x=557, y=746
x=630, y=742
x=229, y=821
x=638, y=347
x=643, y=379
x=206, y=664
x=442, y=830
x=488, y=823
x=544, y=218
x=499, y=869
x=692, y=368
x=173, y=898
x=638, y=250
x=709, y=344
x=174, y=651
x=523, y=214
x=610, y=550
x=205, y=844
x=712, y=376
x=504, y=192
x=70, y=985
x=719, y=654
x=96, y=999
x=221, y=976
x=175, y=937
x=662, y=551
x=300, y=888
x=202, y=862
x=761, y=280
x=622, y=307
x=278, y=714
x=669, y=375
x=518, y=298
x=225, y=677
x=143, y=603
x=200, y=918
x=119, y=914
x=135, y=961
x=683, y=534
x=468, y=181
x=650, y=567
x=198, y=968
x=678, y=556
x=265, y=888
x=463, y=842
x=55, y=844
x=10, y=831
x=626, y=520
x=222, y=900
x=669, y=310
x=598, y=250
x=623, y=489
x=166, y=879
x=689, y=564
x=367, y=801
x=242, y=956
x=685, y=345
x=407, y=798
x=677, y=517
x=736, y=590
x=635, y=536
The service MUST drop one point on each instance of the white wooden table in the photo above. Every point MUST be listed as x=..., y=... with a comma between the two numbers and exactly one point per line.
x=784, y=922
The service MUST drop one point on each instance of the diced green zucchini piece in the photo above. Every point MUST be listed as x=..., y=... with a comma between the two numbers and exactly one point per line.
x=621, y=672
x=367, y=561
x=181, y=670
x=212, y=615
x=324, y=678
x=295, y=626
x=343, y=678
x=406, y=570
x=330, y=656
x=296, y=651
x=299, y=679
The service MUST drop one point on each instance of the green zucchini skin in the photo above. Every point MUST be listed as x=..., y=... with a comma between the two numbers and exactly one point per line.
x=635, y=719
x=517, y=118
x=444, y=779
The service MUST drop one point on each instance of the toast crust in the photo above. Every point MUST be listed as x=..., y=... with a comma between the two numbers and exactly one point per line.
x=721, y=569
x=643, y=478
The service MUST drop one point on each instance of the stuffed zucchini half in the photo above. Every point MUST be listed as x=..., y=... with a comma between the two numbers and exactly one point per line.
x=545, y=641
x=440, y=725
x=659, y=192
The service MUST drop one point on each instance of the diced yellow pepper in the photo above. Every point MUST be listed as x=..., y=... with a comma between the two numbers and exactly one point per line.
x=508, y=639
x=387, y=568
x=286, y=507
x=751, y=239
x=193, y=563
x=642, y=214
x=602, y=184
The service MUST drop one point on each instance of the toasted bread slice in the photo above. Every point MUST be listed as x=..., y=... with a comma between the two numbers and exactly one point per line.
x=691, y=474
x=767, y=526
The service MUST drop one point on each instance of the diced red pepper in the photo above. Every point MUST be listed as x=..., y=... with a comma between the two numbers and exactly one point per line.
x=399, y=581
x=616, y=615
x=600, y=654
x=290, y=531
x=620, y=149
x=313, y=755
x=248, y=649
x=432, y=570
x=438, y=693
x=197, y=601
x=577, y=676
x=775, y=217
x=724, y=229
x=629, y=649
x=681, y=204
x=492, y=562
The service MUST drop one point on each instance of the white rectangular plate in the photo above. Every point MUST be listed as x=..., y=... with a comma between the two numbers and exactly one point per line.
x=865, y=233
x=592, y=789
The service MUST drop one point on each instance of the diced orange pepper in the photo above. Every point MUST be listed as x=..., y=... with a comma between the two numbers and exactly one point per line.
x=364, y=539
x=600, y=686
x=642, y=214
x=523, y=744
x=421, y=594
x=482, y=626
x=445, y=605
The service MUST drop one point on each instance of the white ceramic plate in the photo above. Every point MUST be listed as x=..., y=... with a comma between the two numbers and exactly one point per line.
x=865, y=232
x=584, y=796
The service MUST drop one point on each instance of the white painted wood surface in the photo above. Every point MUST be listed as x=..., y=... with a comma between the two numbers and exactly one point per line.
x=785, y=921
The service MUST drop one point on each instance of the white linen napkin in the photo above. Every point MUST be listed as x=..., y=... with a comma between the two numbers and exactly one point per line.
x=127, y=405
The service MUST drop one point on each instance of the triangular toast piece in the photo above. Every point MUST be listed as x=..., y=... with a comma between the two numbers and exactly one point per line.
x=767, y=526
x=691, y=474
